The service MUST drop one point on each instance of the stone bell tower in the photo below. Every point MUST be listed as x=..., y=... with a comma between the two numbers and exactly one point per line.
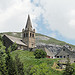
x=28, y=34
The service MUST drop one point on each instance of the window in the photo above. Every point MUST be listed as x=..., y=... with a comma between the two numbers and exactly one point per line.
x=63, y=49
x=60, y=56
x=30, y=34
x=57, y=56
x=64, y=56
x=26, y=34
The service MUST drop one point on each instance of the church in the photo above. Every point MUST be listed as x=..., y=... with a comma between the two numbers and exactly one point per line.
x=26, y=42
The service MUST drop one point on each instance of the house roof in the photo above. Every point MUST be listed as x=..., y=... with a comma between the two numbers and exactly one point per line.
x=17, y=40
x=48, y=52
x=66, y=51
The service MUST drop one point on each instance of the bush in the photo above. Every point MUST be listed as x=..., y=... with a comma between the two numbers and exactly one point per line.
x=39, y=53
x=42, y=69
x=69, y=70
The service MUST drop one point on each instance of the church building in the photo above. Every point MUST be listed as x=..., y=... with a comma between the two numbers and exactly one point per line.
x=28, y=34
x=26, y=42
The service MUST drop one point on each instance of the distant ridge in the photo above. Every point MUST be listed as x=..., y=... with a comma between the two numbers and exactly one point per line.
x=40, y=38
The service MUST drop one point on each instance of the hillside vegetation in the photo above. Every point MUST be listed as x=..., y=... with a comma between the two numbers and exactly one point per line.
x=40, y=38
x=28, y=59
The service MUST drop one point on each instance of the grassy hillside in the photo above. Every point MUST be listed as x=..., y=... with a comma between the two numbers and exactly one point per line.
x=40, y=38
x=28, y=59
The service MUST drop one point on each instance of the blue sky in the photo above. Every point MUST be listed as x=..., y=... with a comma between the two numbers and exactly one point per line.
x=55, y=18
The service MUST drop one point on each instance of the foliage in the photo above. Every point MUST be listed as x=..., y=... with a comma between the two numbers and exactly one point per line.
x=73, y=65
x=29, y=61
x=39, y=53
x=13, y=47
x=69, y=69
x=2, y=58
x=10, y=64
x=19, y=66
x=42, y=69
x=0, y=38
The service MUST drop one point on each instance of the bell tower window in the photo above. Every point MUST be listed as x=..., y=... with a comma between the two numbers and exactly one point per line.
x=26, y=34
x=30, y=34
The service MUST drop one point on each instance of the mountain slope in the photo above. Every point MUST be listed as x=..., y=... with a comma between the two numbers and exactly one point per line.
x=40, y=39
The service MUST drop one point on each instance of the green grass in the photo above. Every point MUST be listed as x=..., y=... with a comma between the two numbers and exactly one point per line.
x=29, y=59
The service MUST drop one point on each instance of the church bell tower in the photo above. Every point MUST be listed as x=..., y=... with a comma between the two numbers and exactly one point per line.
x=28, y=34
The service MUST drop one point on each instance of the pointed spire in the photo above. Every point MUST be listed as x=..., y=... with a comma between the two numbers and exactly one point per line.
x=28, y=24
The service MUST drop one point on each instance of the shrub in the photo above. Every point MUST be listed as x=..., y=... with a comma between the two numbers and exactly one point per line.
x=69, y=70
x=39, y=53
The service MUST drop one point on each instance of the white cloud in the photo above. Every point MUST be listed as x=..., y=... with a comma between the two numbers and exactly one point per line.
x=60, y=15
x=13, y=14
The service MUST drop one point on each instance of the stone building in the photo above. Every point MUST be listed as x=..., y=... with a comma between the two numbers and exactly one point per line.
x=28, y=38
x=66, y=53
x=28, y=34
x=9, y=40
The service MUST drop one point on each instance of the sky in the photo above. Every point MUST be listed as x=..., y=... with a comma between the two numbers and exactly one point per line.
x=54, y=18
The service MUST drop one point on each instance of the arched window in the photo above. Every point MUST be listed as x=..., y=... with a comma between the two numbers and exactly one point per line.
x=30, y=35
x=26, y=34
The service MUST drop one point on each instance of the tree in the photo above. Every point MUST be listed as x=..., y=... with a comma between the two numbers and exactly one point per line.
x=10, y=64
x=39, y=53
x=3, y=70
x=0, y=38
x=19, y=66
x=69, y=69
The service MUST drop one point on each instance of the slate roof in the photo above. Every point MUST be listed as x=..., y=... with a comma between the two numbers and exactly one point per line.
x=66, y=51
x=17, y=40
x=48, y=52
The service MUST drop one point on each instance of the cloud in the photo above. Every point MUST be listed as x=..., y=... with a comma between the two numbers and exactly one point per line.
x=13, y=14
x=60, y=16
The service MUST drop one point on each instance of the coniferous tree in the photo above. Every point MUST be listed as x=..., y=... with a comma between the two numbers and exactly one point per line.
x=3, y=70
x=69, y=69
x=19, y=66
x=10, y=65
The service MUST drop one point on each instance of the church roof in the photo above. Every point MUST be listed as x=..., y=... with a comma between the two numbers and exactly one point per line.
x=28, y=24
x=14, y=39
